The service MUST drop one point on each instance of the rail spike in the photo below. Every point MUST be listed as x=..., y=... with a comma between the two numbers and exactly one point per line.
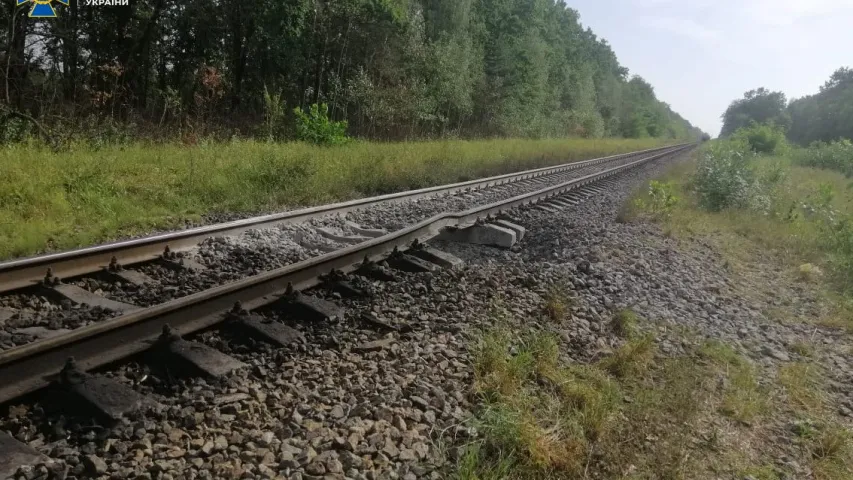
x=71, y=374
x=114, y=266
x=50, y=279
x=168, y=334
x=238, y=309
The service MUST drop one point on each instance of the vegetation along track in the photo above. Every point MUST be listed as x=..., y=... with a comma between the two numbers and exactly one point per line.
x=107, y=280
x=30, y=367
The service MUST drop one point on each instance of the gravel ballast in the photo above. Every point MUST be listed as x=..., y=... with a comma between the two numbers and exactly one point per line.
x=361, y=400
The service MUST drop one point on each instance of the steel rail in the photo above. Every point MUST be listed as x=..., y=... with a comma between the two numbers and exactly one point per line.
x=30, y=367
x=25, y=272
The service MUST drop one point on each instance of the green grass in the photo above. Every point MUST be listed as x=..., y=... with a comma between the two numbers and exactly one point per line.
x=743, y=232
x=541, y=417
x=785, y=234
x=52, y=200
x=635, y=414
x=784, y=239
x=743, y=400
x=625, y=323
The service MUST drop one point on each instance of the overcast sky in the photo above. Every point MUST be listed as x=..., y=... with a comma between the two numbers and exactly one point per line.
x=702, y=54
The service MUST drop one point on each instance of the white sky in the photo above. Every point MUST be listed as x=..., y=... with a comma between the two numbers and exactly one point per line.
x=702, y=54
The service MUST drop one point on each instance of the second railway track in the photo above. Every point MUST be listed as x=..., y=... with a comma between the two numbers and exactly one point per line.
x=30, y=367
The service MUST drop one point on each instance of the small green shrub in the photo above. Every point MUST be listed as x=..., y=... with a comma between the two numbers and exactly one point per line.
x=762, y=138
x=12, y=128
x=316, y=127
x=725, y=178
x=660, y=200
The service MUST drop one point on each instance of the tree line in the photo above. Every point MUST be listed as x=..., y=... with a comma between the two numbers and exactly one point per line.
x=393, y=69
x=825, y=116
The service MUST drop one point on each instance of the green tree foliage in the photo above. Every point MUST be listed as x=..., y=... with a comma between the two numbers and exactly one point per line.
x=762, y=138
x=759, y=106
x=827, y=115
x=392, y=69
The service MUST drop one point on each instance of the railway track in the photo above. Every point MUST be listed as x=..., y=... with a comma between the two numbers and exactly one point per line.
x=102, y=282
x=367, y=249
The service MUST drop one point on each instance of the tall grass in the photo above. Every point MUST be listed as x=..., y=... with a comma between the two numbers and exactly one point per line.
x=52, y=200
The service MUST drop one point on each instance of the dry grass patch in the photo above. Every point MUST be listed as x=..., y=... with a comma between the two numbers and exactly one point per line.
x=557, y=304
x=803, y=384
x=744, y=399
x=827, y=441
x=624, y=323
x=625, y=416
x=802, y=348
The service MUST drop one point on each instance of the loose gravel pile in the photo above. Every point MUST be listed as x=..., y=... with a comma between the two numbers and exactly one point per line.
x=386, y=391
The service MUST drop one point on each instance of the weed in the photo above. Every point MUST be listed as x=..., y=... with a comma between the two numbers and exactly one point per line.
x=744, y=400
x=557, y=304
x=836, y=156
x=802, y=382
x=761, y=138
x=802, y=348
x=764, y=472
x=808, y=272
x=315, y=126
x=624, y=323
x=274, y=115
x=475, y=464
x=832, y=450
x=659, y=201
x=631, y=359
x=726, y=178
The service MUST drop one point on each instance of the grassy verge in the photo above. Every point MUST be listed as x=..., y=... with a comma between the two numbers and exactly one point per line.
x=797, y=232
x=52, y=201
x=803, y=225
x=632, y=414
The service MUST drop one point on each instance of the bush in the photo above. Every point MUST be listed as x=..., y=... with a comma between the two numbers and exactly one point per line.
x=660, y=200
x=12, y=129
x=725, y=178
x=768, y=139
x=836, y=156
x=316, y=127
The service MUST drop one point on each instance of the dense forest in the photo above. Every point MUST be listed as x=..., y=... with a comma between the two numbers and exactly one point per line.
x=823, y=117
x=393, y=69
